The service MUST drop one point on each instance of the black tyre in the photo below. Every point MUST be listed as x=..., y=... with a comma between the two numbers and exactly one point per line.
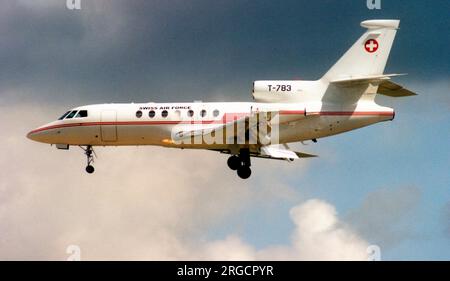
x=90, y=169
x=244, y=172
x=234, y=162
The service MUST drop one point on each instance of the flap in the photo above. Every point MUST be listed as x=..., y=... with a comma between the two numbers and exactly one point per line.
x=283, y=152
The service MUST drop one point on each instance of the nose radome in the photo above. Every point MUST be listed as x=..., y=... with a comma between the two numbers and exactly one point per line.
x=30, y=135
x=39, y=134
x=33, y=135
x=43, y=133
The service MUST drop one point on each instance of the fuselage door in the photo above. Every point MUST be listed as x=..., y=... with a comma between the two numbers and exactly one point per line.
x=108, y=127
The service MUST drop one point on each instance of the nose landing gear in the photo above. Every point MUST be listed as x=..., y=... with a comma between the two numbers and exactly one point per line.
x=241, y=163
x=90, y=169
x=90, y=153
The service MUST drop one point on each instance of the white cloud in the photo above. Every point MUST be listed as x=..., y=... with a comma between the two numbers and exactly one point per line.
x=231, y=248
x=319, y=235
x=144, y=203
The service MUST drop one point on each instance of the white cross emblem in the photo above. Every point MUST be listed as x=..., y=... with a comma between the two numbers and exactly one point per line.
x=371, y=45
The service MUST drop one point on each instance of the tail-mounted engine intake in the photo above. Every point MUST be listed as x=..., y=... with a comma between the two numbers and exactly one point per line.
x=275, y=91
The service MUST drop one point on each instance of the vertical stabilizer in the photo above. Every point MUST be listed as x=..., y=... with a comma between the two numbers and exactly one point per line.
x=368, y=56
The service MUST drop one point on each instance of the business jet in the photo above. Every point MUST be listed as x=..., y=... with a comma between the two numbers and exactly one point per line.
x=283, y=112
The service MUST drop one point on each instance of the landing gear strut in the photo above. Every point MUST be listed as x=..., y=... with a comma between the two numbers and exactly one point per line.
x=241, y=163
x=89, y=152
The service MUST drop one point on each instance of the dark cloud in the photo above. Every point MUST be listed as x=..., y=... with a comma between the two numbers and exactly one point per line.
x=446, y=219
x=385, y=217
x=185, y=50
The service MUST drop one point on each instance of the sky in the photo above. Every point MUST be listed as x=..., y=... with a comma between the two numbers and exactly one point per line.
x=386, y=185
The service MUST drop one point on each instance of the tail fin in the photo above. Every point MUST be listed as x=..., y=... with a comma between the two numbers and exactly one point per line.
x=368, y=56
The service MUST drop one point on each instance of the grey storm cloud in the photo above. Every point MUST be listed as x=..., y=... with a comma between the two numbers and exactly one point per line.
x=189, y=50
x=385, y=217
x=121, y=51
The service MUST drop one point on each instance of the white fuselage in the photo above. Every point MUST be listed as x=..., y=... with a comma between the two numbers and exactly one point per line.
x=120, y=124
x=284, y=111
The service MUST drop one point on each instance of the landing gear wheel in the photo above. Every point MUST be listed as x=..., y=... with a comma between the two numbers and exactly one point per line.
x=234, y=162
x=244, y=172
x=89, y=152
x=90, y=169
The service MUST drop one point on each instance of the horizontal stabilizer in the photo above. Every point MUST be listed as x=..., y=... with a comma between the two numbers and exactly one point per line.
x=352, y=80
x=391, y=89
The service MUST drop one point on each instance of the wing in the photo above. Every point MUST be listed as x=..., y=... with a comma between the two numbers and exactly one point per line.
x=282, y=152
x=261, y=146
x=277, y=152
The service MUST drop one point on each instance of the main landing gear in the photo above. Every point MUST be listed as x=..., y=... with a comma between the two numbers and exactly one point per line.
x=241, y=163
x=89, y=152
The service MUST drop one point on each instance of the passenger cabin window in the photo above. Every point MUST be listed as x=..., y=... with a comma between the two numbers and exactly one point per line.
x=190, y=113
x=164, y=113
x=71, y=114
x=151, y=113
x=138, y=114
x=64, y=115
x=82, y=114
x=203, y=113
x=216, y=112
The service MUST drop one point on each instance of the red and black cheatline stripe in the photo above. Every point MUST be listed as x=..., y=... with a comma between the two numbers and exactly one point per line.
x=228, y=117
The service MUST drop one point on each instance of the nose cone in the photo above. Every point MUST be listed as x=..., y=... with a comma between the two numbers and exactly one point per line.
x=42, y=134
x=36, y=135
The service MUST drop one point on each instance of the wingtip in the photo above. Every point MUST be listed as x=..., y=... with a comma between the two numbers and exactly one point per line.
x=305, y=155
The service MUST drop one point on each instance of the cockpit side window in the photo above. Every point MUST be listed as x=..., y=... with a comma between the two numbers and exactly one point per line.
x=71, y=114
x=64, y=115
x=81, y=114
